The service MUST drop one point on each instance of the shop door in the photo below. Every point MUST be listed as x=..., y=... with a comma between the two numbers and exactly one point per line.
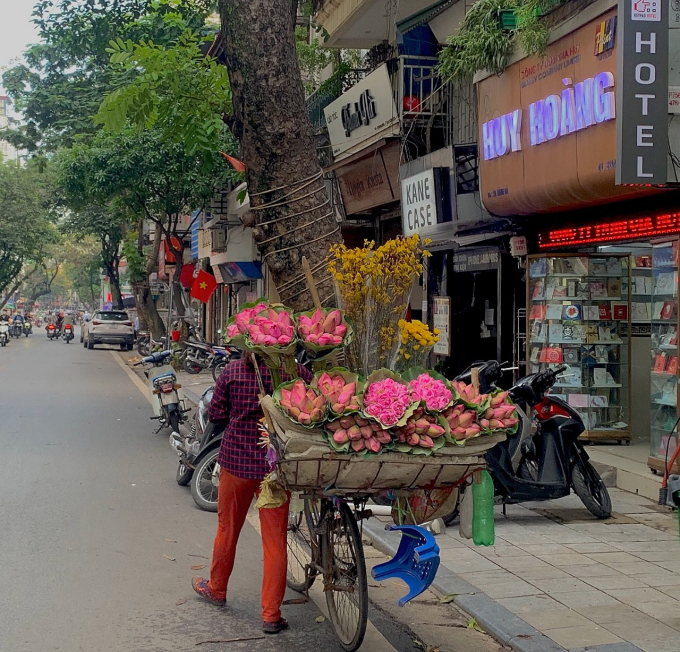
x=474, y=318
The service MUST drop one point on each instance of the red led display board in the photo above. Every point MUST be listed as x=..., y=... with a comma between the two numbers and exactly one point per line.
x=634, y=228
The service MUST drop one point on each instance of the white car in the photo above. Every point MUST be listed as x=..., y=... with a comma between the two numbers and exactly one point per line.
x=108, y=327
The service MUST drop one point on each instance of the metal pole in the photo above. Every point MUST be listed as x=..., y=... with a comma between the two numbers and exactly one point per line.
x=169, y=326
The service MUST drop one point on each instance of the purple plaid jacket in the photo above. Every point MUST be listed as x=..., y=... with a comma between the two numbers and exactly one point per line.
x=235, y=404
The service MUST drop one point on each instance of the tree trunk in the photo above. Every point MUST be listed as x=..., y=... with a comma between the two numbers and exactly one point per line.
x=146, y=309
x=271, y=122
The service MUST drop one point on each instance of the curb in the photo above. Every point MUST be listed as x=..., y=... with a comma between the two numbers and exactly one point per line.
x=499, y=622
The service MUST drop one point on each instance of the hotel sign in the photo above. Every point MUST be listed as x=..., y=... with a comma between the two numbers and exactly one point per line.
x=642, y=93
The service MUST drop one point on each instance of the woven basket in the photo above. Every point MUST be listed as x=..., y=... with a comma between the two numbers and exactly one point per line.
x=308, y=464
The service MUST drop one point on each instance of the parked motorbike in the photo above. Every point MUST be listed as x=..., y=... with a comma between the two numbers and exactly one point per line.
x=167, y=397
x=52, y=332
x=146, y=344
x=28, y=329
x=198, y=451
x=4, y=333
x=68, y=333
x=545, y=459
x=200, y=355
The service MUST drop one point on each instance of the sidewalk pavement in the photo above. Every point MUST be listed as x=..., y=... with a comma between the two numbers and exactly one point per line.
x=558, y=579
x=195, y=384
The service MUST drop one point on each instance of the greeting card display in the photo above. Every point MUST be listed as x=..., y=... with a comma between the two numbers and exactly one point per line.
x=587, y=305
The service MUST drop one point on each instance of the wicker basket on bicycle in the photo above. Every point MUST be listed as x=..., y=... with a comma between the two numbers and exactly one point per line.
x=307, y=464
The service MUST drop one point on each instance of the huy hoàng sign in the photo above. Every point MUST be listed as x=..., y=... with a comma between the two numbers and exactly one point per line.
x=547, y=126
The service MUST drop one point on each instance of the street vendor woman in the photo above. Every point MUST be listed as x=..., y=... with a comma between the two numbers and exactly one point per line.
x=235, y=404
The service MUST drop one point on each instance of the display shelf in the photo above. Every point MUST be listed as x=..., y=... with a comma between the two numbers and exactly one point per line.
x=577, y=304
x=664, y=348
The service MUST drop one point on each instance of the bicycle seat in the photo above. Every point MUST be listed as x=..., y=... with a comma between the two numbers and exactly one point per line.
x=415, y=563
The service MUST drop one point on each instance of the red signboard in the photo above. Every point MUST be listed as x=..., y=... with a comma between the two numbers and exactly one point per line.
x=630, y=229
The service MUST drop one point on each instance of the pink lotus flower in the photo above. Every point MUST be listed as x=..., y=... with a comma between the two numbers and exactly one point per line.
x=434, y=392
x=322, y=330
x=386, y=400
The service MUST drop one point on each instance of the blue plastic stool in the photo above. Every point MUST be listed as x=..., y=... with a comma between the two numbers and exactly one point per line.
x=416, y=561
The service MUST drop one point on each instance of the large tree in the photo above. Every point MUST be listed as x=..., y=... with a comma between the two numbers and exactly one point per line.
x=289, y=204
x=267, y=114
x=143, y=176
x=27, y=222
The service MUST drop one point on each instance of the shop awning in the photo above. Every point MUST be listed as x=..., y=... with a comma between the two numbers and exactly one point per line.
x=241, y=272
x=424, y=16
x=458, y=241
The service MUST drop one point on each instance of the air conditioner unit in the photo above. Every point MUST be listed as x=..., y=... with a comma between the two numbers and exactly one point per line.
x=219, y=239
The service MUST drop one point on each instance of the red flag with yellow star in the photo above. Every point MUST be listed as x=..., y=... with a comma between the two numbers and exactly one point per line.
x=203, y=287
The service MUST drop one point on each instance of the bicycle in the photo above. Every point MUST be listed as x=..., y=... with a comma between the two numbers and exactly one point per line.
x=324, y=539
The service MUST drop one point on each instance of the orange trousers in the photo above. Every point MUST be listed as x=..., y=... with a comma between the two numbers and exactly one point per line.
x=233, y=501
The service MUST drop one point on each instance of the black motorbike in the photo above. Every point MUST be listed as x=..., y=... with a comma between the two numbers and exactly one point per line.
x=28, y=329
x=67, y=333
x=201, y=355
x=544, y=459
x=198, y=451
x=16, y=329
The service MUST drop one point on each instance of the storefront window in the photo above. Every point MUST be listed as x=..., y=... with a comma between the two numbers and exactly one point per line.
x=579, y=316
x=664, y=359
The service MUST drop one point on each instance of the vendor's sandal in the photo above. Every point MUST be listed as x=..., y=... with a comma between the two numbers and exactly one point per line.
x=203, y=589
x=275, y=628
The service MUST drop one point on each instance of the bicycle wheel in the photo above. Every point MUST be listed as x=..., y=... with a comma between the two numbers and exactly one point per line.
x=302, y=547
x=345, y=581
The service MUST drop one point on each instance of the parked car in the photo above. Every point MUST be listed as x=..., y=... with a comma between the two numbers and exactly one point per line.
x=109, y=327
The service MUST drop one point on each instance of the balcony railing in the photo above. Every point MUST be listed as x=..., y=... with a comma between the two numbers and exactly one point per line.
x=341, y=80
x=424, y=102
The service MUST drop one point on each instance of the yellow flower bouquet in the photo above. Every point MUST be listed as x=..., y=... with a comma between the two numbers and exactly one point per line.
x=374, y=288
x=416, y=343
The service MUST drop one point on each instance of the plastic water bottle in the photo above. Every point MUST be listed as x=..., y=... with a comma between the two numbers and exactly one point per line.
x=465, y=522
x=483, y=529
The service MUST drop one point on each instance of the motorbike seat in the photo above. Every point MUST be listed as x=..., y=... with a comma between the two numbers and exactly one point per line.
x=199, y=345
x=157, y=357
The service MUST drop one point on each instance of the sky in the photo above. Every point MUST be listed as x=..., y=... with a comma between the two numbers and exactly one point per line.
x=16, y=29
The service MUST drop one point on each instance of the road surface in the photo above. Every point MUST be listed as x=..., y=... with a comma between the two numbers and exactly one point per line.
x=97, y=540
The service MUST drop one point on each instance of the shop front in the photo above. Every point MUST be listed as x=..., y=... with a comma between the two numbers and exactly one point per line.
x=564, y=160
x=470, y=278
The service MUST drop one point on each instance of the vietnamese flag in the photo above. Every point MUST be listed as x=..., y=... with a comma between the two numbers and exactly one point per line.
x=203, y=287
x=186, y=277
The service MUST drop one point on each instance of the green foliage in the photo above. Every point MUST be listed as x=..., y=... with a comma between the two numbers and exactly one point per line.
x=174, y=88
x=136, y=264
x=483, y=45
x=312, y=57
x=27, y=219
x=64, y=77
x=138, y=174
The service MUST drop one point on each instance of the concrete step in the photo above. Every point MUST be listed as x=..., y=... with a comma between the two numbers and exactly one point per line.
x=630, y=475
